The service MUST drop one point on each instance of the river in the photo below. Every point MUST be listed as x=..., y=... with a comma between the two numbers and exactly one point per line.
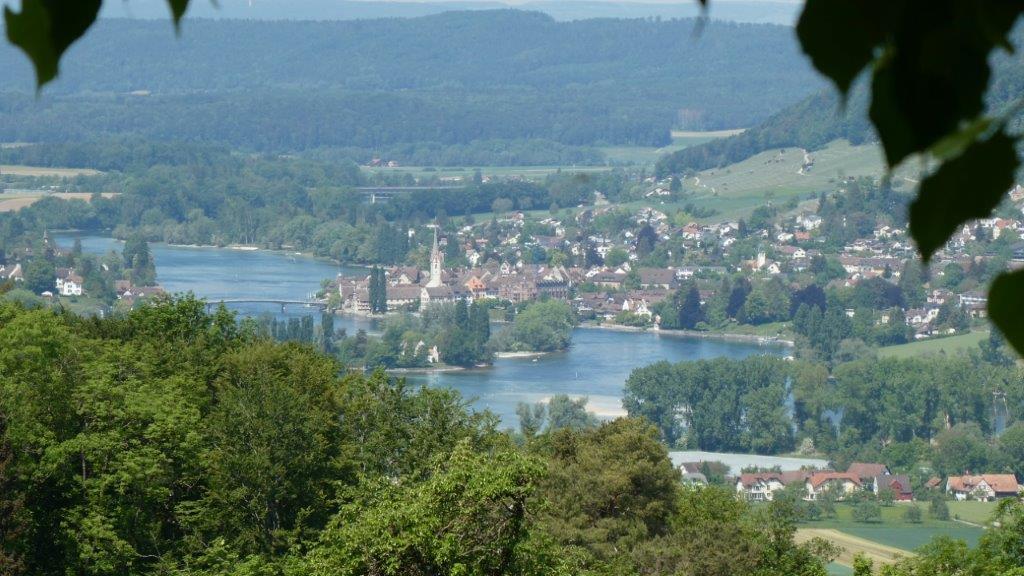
x=596, y=365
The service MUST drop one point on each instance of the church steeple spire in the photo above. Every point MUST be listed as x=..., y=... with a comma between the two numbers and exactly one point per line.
x=436, y=264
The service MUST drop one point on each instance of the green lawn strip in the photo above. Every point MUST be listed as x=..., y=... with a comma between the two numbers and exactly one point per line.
x=948, y=344
x=911, y=537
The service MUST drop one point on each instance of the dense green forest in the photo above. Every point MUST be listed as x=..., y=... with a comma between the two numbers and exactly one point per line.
x=172, y=441
x=821, y=118
x=453, y=78
x=946, y=413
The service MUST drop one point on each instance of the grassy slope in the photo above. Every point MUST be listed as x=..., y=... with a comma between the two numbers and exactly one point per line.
x=948, y=345
x=735, y=190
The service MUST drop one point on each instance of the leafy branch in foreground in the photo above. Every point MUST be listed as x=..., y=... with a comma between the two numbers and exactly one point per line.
x=45, y=29
x=929, y=68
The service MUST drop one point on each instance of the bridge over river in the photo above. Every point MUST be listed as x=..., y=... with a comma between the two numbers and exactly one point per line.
x=283, y=303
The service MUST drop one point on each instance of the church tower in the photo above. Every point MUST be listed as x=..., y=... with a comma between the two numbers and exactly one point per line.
x=436, y=265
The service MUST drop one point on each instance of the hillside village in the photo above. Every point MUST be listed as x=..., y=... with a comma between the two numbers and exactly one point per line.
x=638, y=267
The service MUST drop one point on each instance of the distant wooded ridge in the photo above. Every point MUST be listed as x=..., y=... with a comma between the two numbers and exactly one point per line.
x=451, y=78
x=819, y=119
x=763, y=11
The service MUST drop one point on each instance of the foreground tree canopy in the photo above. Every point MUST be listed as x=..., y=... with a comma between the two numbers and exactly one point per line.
x=176, y=441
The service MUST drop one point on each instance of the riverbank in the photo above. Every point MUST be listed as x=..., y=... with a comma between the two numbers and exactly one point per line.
x=426, y=370
x=723, y=336
x=520, y=354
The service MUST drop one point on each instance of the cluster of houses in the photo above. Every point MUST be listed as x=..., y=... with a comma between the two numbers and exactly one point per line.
x=11, y=273
x=409, y=288
x=628, y=287
x=70, y=283
x=761, y=486
x=872, y=477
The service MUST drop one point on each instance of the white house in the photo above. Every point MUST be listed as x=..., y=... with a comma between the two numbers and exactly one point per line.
x=69, y=283
x=840, y=484
x=759, y=487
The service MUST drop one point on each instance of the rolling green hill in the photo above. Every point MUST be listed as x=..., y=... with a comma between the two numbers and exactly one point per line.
x=810, y=124
x=781, y=174
x=820, y=119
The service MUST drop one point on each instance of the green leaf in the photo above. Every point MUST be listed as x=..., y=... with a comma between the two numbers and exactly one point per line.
x=1006, y=307
x=955, y=144
x=44, y=29
x=178, y=8
x=932, y=76
x=840, y=36
x=966, y=187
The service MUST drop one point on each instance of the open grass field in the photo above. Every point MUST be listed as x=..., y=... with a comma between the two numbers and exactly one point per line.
x=852, y=546
x=892, y=533
x=15, y=202
x=949, y=345
x=36, y=171
x=972, y=511
x=911, y=537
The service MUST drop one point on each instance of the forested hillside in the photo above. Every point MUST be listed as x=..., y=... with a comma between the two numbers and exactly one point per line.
x=810, y=124
x=820, y=119
x=451, y=78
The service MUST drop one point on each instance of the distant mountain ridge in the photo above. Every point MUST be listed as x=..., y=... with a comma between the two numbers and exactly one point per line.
x=747, y=11
x=450, y=78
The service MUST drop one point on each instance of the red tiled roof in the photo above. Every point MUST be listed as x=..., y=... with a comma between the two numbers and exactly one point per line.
x=1000, y=483
x=790, y=476
x=819, y=478
x=867, y=470
x=751, y=479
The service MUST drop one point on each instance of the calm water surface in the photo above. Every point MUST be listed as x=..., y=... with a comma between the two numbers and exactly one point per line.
x=596, y=366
